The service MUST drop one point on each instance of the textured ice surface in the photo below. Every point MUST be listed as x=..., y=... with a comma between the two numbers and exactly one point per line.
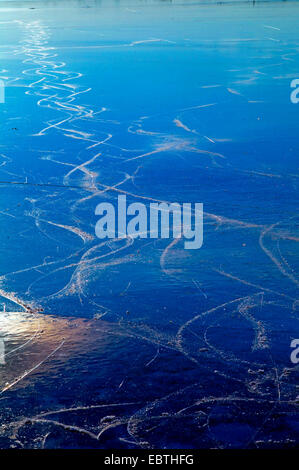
x=141, y=343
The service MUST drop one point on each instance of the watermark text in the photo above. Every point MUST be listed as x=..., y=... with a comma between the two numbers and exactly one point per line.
x=159, y=220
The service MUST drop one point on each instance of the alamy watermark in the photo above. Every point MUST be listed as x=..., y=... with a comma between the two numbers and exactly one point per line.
x=295, y=92
x=295, y=353
x=2, y=351
x=159, y=220
x=2, y=91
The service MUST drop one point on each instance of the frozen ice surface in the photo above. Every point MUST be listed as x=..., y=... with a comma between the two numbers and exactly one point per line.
x=141, y=343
